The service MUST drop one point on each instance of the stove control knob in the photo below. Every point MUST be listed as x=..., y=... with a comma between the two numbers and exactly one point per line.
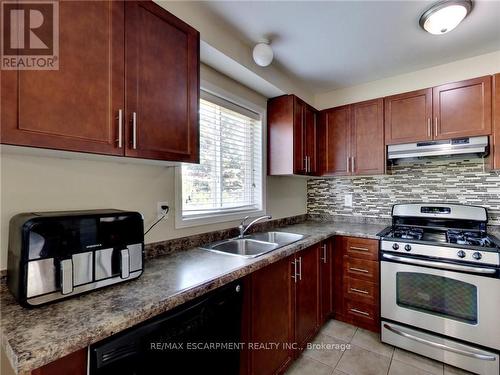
x=461, y=254
x=477, y=255
x=395, y=246
x=407, y=247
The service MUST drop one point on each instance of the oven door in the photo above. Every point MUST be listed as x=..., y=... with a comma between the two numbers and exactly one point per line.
x=455, y=304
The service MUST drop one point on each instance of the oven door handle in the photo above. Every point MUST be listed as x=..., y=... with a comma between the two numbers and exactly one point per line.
x=484, y=357
x=447, y=266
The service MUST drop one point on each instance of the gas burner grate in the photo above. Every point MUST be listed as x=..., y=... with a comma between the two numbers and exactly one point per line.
x=408, y=233
x=468, y=238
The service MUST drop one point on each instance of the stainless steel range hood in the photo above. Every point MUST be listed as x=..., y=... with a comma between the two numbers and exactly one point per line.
x=472, y=145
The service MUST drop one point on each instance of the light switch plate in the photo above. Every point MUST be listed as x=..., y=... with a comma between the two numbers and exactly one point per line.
x=348, y=200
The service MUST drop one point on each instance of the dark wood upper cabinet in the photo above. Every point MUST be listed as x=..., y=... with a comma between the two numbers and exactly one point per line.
x=162, y=77
x=335, y=141
x=272, y=311
x=127, y=85
x=408, y=117
x=368, y=148
x=307, y=295
x=76, y=107
x=326, y=279
x=462, y=109
x=496, y=121
x=291, y=126
x=351, y=139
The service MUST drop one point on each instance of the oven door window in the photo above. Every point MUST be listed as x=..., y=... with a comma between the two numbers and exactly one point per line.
x=437, y=295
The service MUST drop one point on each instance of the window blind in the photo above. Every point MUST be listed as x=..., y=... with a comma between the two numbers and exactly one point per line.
x=229, y=176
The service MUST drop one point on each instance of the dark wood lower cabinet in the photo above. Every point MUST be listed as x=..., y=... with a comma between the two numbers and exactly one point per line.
x=326, y=273
x=74, y=364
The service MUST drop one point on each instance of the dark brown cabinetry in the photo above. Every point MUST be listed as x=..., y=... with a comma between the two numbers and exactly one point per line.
x=459, y=109
x=292, y=136
x=127, y=85
x=283, y=308
x=351, y=139
x=74, y=363
x=326, y=279
x=496, y=121
x=356, y=293
x=408, y=117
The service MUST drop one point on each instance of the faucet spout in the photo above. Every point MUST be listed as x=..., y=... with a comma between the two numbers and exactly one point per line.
x=243, y=228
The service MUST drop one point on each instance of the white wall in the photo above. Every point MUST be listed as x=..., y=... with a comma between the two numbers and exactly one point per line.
x=458, y=70
x=34, y=183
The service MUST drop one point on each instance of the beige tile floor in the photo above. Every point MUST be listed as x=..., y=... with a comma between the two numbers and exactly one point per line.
x=366, y=356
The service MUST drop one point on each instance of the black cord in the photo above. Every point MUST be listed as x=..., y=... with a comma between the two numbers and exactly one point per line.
x=157, y=221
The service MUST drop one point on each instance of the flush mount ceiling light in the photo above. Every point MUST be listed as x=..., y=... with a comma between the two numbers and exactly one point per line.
x=263, y=53
x=444, y=16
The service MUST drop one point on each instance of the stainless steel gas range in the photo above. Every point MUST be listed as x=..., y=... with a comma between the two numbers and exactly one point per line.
x=440, y=285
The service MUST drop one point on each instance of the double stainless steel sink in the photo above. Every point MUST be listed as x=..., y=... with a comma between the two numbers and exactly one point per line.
x=253, y=245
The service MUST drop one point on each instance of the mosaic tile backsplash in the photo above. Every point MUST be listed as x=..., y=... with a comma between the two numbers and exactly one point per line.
x=456, y=180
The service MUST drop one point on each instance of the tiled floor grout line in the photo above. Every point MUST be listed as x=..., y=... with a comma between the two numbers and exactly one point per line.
x=349, y=342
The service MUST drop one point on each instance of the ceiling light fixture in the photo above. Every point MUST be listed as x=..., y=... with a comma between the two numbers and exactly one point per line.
x=444, y=16
x=263, y=53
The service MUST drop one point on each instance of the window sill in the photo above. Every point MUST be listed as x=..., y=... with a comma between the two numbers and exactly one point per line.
x=184, y=222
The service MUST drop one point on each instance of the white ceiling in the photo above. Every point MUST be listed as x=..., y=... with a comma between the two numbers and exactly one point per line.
x=332, y=44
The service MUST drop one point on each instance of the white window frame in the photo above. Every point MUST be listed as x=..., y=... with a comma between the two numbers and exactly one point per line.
x=220, y=217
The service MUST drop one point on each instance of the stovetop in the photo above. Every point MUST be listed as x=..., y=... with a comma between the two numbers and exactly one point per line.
x=439, y=236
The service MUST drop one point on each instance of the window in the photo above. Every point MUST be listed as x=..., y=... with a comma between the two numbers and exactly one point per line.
x=228, y=179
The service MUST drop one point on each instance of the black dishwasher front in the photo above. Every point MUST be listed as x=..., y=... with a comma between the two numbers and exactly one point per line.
x=200, y=337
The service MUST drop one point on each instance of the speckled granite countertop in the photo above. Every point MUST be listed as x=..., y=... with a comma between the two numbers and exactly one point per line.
x=35, y=337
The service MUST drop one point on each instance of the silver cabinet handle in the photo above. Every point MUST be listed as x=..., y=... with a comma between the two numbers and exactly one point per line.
x=484, y=357
x=429, y=127
x=308, y=164
x=134, y=130
x=360, y=312
x=324, y=259
x=294, y=276
x=124, y=264
x=300, y=268
x=348, y=164
x=352, y=163
x=358, y=248
x=66, y=276
x=359, y=291
x=447, y=266
x=305, y=164
x=436, y=126
x=120, y=128
x=358, y=269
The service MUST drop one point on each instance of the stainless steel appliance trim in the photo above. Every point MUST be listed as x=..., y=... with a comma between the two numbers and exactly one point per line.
x=124, y=264
x=458, y=211
x=80, y=289
x=82, y=268
x=66, y=269
x=484, y=357
x=102, y=263
x=41, y=277
x=135, y=252
x=447, y=266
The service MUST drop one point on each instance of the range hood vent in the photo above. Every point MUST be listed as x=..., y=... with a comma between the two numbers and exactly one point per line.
x=457, y=146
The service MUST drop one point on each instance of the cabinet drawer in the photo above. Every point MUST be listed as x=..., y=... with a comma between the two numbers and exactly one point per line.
x=363, y=313
x=361, y=269
x=361, y=290
x=362, y=248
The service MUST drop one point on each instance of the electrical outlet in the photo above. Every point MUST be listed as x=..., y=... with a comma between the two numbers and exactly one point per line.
x=348, y=200
x=160, y=210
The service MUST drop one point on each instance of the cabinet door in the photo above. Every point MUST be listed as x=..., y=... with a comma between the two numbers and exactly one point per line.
x=326, y=280
x=74, y=363
x=299, y=136
x=76, y=107
x=307, y=295
x=462, y=109
x=162, y=75
x=339, y=249
x=335, y=141
x=310, y=139
x=408, y=117
x=496, y=121
x=272, y=316
x=368, y=155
